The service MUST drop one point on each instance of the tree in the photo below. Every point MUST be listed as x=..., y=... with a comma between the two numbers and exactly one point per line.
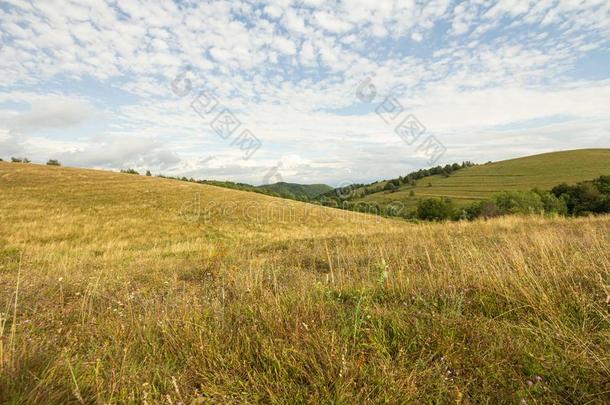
x=390, y=186
x=435, y=209
x=148, y=173
x=519, y=202
x=20, y=160
x=603, y=184
x=482, y=209
x=129, y=171
x=551, y=203
x=585, y=197
x=53, y=162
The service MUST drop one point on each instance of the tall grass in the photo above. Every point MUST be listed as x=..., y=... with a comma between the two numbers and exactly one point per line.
x=112, y=305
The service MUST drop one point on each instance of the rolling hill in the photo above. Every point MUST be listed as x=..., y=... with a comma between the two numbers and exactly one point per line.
x=483, y=181
x=296, y=191
x=118, y=288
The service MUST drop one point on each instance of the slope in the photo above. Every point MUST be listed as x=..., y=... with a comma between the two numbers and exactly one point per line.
x=483, y=181
x=297, y=191
x=117, y=288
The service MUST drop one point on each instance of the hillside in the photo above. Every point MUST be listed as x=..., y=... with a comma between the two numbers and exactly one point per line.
x=483, y=181
x=176, y=207
x=297, y=191
x=117, y=288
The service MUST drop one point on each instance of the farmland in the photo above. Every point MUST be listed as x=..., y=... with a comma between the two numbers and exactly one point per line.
x=476, y=183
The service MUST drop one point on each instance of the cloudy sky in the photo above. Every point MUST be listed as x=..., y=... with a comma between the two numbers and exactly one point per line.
x=308, y=90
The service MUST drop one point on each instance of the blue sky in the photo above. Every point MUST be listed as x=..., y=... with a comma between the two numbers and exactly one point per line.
x=104, y=84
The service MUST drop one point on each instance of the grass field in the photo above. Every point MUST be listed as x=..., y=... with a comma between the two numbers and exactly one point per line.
x=117, y=288
x=483, y=181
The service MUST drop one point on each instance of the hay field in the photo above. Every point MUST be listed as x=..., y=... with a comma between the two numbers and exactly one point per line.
x=116, y=288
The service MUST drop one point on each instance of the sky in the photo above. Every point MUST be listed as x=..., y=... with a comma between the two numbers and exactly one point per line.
x=304, y=91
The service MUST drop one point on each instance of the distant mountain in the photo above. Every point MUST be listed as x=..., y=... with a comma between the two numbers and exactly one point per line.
x=296, y=191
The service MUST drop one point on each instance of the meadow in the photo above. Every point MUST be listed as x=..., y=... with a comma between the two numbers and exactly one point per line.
x=480, y=182
x=118, y=288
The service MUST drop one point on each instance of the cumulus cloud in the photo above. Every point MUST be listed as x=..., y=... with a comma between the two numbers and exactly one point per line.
x=54, y=113
x=480, y=75
x=120, y=151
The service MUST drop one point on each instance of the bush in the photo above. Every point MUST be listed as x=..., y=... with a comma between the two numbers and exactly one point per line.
x=436, y=209
x=552, y=204
x=483, y=209
x=585, y=197
x=20, y=160
x=519, y=202
x=390, y=186
x=53, y=162
x=148, y=173
x=131, y=171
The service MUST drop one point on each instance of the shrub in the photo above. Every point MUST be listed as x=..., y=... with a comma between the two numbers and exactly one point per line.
x=603, y=184
x=552, y=204
x=483, y=209
x=519, y=202
x=129, y=171
x=390, y=186
x=53, y=162
x=148, y=173
x=585, y=197
x=435, y=209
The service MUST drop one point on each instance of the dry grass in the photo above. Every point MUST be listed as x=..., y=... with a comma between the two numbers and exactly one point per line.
x=109, y=296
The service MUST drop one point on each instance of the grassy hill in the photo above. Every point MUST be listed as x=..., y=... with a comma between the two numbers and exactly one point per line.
x=116, y=288
x=483, y=181
x=297, y=191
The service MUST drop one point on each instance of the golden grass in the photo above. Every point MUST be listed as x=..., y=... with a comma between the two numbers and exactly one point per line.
x=109, y=295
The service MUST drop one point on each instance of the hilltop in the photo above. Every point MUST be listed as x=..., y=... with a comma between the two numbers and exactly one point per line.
x=111, y=199
x=482, y=181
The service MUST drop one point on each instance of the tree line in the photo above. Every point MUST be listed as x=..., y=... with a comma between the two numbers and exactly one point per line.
x=584, y=198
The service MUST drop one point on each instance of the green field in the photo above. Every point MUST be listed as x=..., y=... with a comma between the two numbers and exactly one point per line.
x=483, y=181
x=297, y=191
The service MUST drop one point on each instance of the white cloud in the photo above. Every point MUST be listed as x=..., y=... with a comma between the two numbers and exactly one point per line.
x=331, y=22
x=289, y=70
x=273, y=11
x=284, y=45
x=54, y=113
x=417, y=37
